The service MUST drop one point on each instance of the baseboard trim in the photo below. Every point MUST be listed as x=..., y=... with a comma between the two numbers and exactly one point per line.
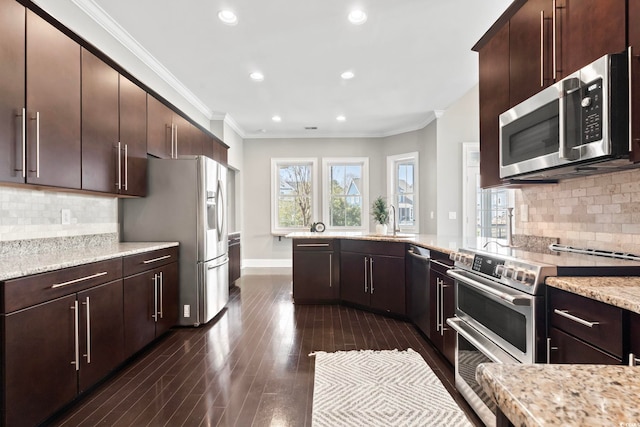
x=267, y=263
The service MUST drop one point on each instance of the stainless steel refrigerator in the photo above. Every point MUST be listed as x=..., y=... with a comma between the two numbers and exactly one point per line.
x=186, y=202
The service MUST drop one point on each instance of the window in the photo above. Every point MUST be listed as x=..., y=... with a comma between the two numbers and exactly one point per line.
x=492, y=212
x=345, y=195
x=403, y=190
x=294, y=189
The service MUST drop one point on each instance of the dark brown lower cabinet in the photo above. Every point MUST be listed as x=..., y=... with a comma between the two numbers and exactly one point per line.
x=43, y=369
x=372, y=275
x=315, y=271
x=634, y=339
x=150, y=306
x=441, y=307
x=565, y=348
x=234, y=258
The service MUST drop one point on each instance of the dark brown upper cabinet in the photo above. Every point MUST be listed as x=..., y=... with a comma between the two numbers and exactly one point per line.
x=53, y=106
x=12, y=101
x=188, y=138
x=160, y=129
x=633, y=18
x=100, y=142
x=133, y=138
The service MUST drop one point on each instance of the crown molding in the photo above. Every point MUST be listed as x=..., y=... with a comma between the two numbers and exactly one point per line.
x=115, y=30
x=228, y=120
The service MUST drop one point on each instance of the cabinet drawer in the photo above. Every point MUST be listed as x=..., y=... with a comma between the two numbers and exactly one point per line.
x=374, y=248
x=567, y=349
x=595, y=322
x=313, y=244
x=31, y=290
x=138, y=263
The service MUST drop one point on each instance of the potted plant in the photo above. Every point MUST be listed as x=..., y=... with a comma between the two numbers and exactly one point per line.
x=380, y=213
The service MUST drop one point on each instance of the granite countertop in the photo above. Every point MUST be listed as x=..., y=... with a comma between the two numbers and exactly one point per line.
x=445, y=244
x=564, y=395
x=622, y=292
x=12, y=267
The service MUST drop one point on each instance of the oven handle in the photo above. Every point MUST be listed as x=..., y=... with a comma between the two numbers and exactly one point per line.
x=520, y=300
x=493, y=354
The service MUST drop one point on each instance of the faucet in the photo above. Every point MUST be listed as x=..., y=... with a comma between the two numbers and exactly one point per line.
x=509, y=233
x=394, y=224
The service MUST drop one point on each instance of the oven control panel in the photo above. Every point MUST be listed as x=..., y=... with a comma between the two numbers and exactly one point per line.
x=487, y=265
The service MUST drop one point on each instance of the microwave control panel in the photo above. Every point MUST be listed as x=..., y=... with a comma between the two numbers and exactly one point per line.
x=591, y=103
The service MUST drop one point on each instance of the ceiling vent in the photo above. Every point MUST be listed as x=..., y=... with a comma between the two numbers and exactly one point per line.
x=311, y=127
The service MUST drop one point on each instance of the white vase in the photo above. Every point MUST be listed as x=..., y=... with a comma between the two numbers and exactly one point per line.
x=381, y=228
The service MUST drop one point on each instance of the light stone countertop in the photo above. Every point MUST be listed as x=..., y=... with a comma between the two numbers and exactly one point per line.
x=564, y=395
x=25, y=265
x=622, y=292
x=445, y=244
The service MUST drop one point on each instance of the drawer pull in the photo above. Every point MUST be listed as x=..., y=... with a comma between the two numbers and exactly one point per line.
x=312, y=245
x=82, y=279
x=149, y=261
x=633, y=360
x=565, y=313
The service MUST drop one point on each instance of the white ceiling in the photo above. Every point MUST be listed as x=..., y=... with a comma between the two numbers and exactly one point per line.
x=411, y=59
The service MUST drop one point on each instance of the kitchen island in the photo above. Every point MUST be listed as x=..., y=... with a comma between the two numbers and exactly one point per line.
x=564, y=395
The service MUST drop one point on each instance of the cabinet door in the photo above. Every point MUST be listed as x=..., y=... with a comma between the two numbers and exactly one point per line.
x=235, y=263
x=12, y=73
x=568, y=349
x=133, y=137
x=53, y=95
x=494, y=100
x=448, y=310
x=634, y=336
x=587, y=30
x=101, y=332
x=313, y=276
x=159, y=129
x=354, y=278
x=139, y=309
x=387, y=285
x=530, y=50
x=168, y=303
x=101, y=168
x=188, y=138
x=38, y=354
x=633, y=18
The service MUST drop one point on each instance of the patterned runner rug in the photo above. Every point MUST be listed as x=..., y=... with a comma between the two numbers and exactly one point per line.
x=380, y=388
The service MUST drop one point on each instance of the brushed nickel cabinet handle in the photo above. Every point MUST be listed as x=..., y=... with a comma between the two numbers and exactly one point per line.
x=76, y=328
x=366, y=288
x=330, y=270
x=149, y=261
x=126, y=168
x=82, y=279
x=161, y=292
x=567, y=315
x=119, y=183
x=371, y=275
x=24, y=142
x=172, y=140
x=312, y=245
x=155, y=298
x=630, y=69
x=37, y=119
x=549, y=349
x=542, y=48
x=176, y=141
x=633, y=360
x=554, y=39
x=88, y=354
x=438, y=304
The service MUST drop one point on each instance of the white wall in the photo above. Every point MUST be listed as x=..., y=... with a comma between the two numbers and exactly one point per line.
x=459, y=123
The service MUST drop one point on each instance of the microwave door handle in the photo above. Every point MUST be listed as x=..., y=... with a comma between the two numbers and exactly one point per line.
x=567, y=87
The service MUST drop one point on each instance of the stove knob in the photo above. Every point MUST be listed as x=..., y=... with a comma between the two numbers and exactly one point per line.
x=499, y=270
x=518, y=275
x=467, y=260
x=508, y=272
x=529, y=277
x=452, y=256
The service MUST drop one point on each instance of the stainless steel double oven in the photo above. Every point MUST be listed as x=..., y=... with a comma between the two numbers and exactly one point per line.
x=500, y=315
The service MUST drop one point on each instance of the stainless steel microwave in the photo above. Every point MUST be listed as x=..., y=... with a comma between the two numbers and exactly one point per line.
x=578, y=126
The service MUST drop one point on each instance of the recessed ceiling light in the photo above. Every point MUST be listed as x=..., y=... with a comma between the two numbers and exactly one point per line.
x=276, y=118
x=228, y=17
x=347, y=75
x=357, y=17
x=257, y=76
x=341, y=118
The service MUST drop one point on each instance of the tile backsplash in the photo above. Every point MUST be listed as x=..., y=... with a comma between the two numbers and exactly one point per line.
x=37, y=214
x=600, y=211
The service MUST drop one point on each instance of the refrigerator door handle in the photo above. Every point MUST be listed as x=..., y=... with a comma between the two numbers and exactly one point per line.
x=219, y=211
x=220, y=264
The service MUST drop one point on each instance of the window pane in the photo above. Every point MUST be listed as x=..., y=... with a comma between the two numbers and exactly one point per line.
x=404, y=197
x=294, y=198
x=345, y=200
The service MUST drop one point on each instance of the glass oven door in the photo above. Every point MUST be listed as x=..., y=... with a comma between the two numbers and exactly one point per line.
x=472, y=349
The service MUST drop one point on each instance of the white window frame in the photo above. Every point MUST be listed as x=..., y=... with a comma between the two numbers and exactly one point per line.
x=392, y=162
x=276, y=230
x=326, y=190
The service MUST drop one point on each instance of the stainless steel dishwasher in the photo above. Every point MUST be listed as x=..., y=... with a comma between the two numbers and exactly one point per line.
x=419, y=302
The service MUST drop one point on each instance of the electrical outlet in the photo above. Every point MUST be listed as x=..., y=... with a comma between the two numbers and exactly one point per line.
x=65, y=216
x=453, y=215
x=432, y=215
x=186, y=311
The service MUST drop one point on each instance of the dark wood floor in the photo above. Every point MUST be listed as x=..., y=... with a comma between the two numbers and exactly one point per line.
x=249, y=367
